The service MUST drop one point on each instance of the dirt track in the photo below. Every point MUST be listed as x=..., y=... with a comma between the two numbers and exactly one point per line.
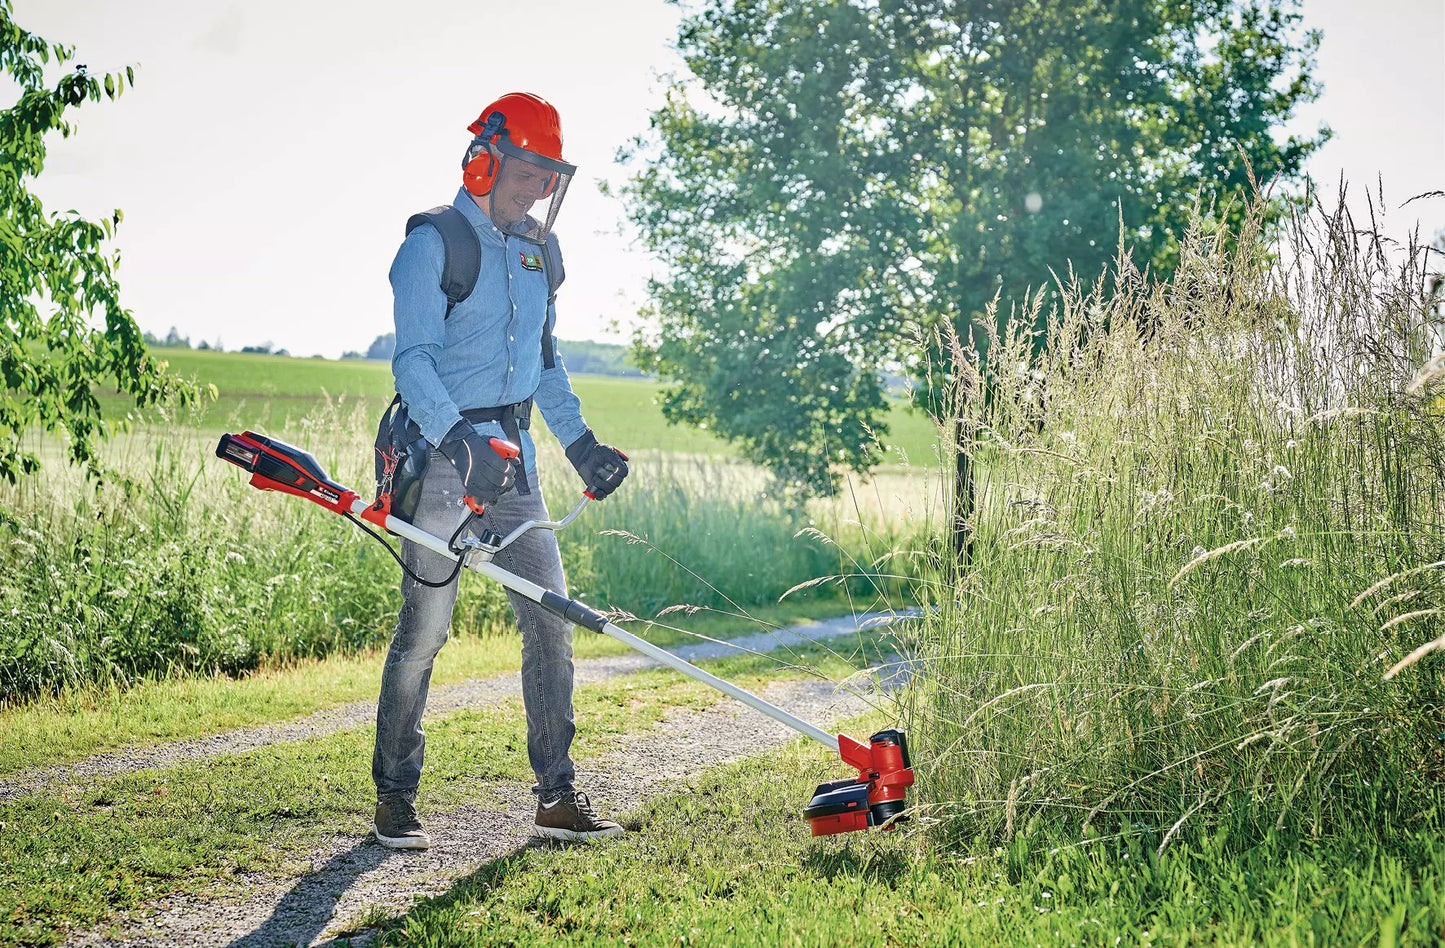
x=443, y=701
x=350, y=874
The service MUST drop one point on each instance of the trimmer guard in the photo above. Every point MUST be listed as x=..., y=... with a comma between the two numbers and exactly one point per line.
x=876, y=798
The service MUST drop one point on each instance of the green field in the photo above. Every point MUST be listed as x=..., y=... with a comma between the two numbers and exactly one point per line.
x=268, y=390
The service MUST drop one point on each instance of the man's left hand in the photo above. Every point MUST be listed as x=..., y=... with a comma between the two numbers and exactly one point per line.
x=602, y=466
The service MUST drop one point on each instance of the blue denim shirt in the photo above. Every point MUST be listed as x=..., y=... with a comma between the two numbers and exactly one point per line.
x=489, y=352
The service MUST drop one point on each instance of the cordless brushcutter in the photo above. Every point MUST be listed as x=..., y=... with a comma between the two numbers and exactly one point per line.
x=876, y=797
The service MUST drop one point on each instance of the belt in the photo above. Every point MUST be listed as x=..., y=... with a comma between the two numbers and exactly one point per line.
x=514, y=419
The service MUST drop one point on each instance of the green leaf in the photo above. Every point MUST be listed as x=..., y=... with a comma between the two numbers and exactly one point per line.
x=58, y=264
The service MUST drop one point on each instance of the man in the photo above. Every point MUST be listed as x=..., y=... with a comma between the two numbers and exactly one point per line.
x=469, y=370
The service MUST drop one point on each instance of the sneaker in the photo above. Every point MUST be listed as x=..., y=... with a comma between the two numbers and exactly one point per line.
x=571, y=817
x=396, y=825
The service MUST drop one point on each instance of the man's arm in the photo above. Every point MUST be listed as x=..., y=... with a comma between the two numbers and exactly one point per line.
x=601, y=466
x=560, y=406
x=419, y=309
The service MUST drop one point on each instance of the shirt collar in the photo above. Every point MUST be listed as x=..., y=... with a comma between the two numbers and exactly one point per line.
x=480, y=222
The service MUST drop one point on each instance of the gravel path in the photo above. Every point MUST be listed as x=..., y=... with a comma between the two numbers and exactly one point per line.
x=442, y=701
x=351, y=875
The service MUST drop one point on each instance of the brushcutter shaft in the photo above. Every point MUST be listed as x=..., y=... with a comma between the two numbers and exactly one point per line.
x=746, y=697
x=582, y=615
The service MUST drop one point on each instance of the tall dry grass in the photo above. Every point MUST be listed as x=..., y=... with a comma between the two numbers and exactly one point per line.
x=1208, y=536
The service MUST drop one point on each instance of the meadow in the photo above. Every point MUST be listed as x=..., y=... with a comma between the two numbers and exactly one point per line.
x=257, y=390
x=176, y=566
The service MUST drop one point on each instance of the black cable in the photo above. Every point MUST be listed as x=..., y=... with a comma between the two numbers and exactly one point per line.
x=406, y=569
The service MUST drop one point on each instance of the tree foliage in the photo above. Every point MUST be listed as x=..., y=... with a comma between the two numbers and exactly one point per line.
x=56, y=278
x=836, y=175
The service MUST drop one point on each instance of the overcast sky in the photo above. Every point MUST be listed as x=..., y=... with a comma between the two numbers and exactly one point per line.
x=271, y=151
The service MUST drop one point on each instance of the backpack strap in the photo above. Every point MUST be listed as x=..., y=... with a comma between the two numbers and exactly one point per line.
x=462, y=251
x=556, y=273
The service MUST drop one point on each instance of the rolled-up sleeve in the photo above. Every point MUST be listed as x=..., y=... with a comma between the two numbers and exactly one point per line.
x=420, y=309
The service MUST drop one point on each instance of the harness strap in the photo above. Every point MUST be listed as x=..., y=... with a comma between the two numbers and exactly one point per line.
x=556, y=273
x=513, y=419
x=462, y=264
x=461, y=251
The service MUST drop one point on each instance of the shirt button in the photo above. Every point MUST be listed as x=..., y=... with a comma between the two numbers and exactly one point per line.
x=511, y=338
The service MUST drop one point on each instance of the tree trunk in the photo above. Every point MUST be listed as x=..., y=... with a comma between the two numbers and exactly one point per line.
x=963, y=488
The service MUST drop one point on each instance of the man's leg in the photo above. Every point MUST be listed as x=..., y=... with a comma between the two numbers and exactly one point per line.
x=546, y=640
x=546, y=671
x=421, y=630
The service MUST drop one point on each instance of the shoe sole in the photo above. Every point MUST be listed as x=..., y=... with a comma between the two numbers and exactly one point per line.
x=402, y=842
x=556, y=832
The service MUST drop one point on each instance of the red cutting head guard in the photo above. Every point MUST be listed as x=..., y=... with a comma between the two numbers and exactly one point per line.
x=521, y=125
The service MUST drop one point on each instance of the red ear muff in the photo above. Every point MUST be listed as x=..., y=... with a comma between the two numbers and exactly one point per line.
x=480, y=173
x=551, y=186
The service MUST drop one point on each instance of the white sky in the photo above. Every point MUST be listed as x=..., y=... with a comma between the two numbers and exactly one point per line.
x=270, y=152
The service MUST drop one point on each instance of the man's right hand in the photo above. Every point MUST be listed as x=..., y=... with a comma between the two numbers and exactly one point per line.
x=486, y=475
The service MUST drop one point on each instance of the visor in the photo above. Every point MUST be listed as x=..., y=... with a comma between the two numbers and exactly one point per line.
x=552, y=188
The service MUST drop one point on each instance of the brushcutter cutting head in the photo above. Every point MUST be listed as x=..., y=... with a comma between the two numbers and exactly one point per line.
x=877, y=797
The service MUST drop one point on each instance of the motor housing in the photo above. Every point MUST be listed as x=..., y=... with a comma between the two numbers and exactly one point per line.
x=877, y=797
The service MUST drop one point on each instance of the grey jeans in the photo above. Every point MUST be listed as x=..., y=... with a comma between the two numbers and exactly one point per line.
x=426, y=614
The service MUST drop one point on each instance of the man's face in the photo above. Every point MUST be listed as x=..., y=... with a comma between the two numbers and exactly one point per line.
x=519, y=185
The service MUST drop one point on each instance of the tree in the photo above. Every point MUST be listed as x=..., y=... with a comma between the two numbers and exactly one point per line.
x=382, y=347
x=838, y=174
x=56, y=275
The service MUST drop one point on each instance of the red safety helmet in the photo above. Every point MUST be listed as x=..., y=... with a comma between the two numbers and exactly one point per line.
x=521, y=125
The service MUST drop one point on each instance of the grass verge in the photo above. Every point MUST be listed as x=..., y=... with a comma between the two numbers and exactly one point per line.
x=178, y=567
x=72, y=859
x=731, y=863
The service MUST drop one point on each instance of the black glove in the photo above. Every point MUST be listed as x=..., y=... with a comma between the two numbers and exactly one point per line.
x=602, y=466
x=486, y=475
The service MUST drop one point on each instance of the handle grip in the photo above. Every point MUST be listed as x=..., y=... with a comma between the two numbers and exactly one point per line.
x=589, y=492
x=507, y=450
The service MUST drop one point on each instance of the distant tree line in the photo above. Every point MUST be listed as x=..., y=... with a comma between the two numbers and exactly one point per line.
x=174, y=340
x=582, y=357
x=381, y=347
x=587, y=358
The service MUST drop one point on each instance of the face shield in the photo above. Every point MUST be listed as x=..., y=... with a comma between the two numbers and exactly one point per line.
x=527, y=190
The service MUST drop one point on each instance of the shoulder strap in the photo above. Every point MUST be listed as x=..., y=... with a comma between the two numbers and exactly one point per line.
x=462, y=250
x=556, y=273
